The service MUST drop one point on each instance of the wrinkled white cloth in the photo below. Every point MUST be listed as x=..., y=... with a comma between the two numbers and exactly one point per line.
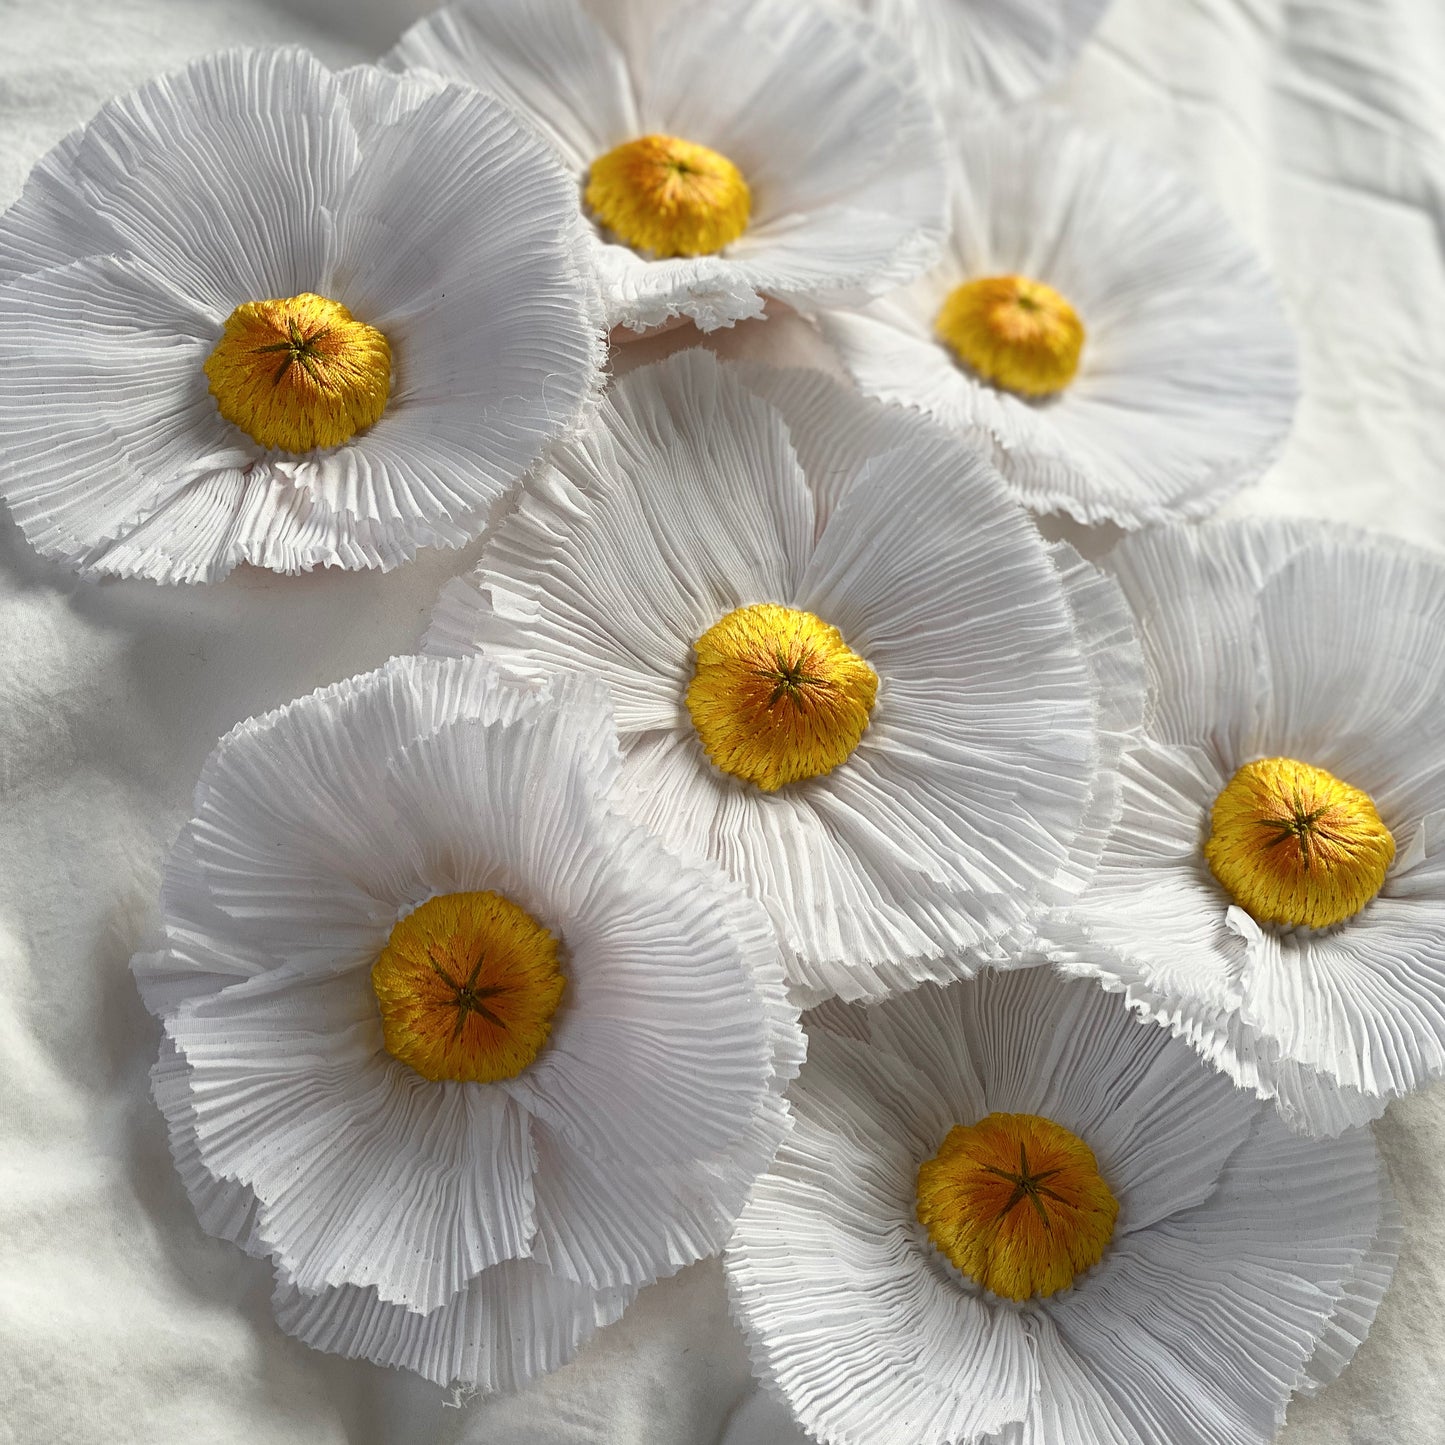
x=1319, y=125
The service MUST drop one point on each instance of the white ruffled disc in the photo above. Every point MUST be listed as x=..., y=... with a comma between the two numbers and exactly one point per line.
x=471, y=1232
x=982, y=55
x=1265, y=639
x=429, y=211
x=1187, y=382
x=1246, y=1262
x=823, y=114
x=985, y=782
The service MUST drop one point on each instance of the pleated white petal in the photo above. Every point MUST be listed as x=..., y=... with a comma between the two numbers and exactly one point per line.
x=365, y=1172
x=224, y=176
x=1201, y=1328
x=1247, y=1262
x=986, y=54
x=1356, y=1309
x=682, y=501
x=506, y=1327
x=555, y=64
x=831, y=221
x=257, y=174
x=1274, y=639
x=1187, y=384
x=958, y=814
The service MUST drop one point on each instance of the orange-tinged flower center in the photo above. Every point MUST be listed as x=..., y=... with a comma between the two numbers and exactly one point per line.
x=669, y=197
x=299, y=372
x=467, y=986
x=1293, y=845
x=1016, y=1202
x=1016, y=333
x=778, y=696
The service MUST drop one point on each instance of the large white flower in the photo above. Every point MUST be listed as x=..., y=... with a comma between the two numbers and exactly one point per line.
x=1098, y=317
x=257, y=312
x=1007, y=1214
x=980, y=55
x=843, y=663
x=1275, y=887
x=726, y=150
x=467, y=1054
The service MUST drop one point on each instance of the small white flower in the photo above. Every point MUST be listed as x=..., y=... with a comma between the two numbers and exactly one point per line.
x=257, y=312
x=843, y=663
x=467, y=1054
x=1275, y=887
x=726, y=150
x=1098, y=317
x=1008, y=1213
x=981, y=55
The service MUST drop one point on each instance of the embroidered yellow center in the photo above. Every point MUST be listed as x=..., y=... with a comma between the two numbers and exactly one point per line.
x=778, y=696
x=1017, y=1203
x=1292, y=844
x=468, y=984
x=1018, y=334
x=299, y=372
x=669, y=197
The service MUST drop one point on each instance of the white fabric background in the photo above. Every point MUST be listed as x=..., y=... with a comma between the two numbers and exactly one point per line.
x=1320, y=124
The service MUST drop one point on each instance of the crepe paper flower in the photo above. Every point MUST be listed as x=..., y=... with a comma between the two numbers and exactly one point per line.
x=1098, y=317
x=468, y=1055
x=1006, y=1212
x=725, y=151
x=257, y=312
x=1274, y=890
x=843, y=663
x=981, y=55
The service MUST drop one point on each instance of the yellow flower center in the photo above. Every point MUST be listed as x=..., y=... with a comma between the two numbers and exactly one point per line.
x=669, y=197
x=468, y=984
x=777, y=695
x=299, y=372
x=1017, y=1203
x=1292, y=844
x=1018, y=334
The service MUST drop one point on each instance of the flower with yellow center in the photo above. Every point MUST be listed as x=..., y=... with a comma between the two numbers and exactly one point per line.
x=693, y=133
x=1168, y=1282
x=1016, y=1202
x=460, y=1161
x=467, y=985
x=669, y=197
x=1016, y=333
x=1293, y=845
x=322, y=340
x=777, y=695
x=299, y=372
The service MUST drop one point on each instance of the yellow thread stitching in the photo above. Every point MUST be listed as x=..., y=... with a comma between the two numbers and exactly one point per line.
x=467, y=986
x=778, y=696
x=1017, y=1203
x=1293, y=845
x=299, y=372
x=1016, y=333
x=668, y=197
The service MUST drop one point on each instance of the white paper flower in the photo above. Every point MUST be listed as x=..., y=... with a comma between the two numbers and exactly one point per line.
x=1008, y=1214
x=465, y=1052
x=727, y=150
x=842, y=661
x=1098, y=317
x=257, y=312
x=980, y=55
x=1275, y=887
